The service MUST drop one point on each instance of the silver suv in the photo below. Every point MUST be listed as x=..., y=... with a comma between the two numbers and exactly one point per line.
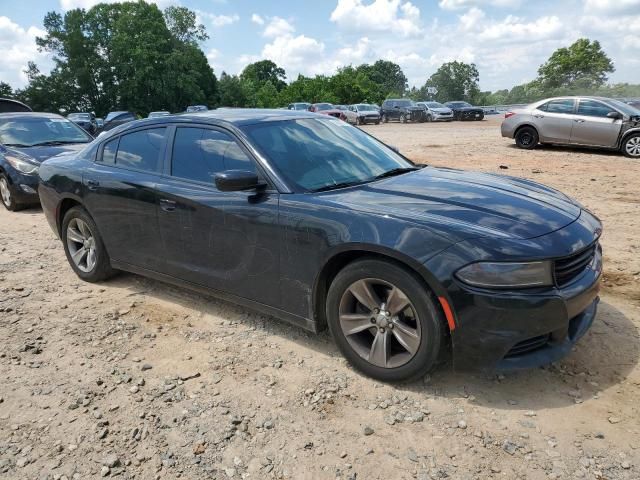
x=580, y=121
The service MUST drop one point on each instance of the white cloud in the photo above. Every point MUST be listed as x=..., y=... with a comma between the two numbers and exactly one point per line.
x=612, y=7
x=278, y=27
x=513, y=29
x=217, y=21
x=461, y=4
x=472, y=19
x=257, y=19
x=18, y=47
x=402, y=18
x=295, y=53
x=86, y=4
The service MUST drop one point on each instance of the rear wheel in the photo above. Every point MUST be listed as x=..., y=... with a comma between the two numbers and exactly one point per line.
x=631, y=146
x=384, y=118
x=429, y=118
x=527, y=138
x=403, y=118
x=6, y=195
x=384, y=320
x=84, y=247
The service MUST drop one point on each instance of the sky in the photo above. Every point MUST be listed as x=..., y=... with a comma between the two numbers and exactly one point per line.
x=506, y=39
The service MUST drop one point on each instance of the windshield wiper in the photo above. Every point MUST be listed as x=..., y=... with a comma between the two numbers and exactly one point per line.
x=18, y=145
x=395, y=171
x=53, y=143
x=335, y=186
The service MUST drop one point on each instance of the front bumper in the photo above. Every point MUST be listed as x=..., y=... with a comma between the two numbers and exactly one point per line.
x=24, y=188
x=512, y=331
x=442, y=117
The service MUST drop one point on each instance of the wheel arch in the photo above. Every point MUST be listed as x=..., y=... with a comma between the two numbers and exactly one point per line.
x=66, y=203
x=525, y=125
x=338, y=259
x=625, y=135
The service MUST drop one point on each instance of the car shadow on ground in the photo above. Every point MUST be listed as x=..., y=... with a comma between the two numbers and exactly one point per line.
x=601, y=360
x=567, y=149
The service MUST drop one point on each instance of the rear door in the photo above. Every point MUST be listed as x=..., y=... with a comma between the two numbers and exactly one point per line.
x=120, y=194
x=593, y=127
x=554, y=120
x=227, y=241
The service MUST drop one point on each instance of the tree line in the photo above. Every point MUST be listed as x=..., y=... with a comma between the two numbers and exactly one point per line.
x=134, y=56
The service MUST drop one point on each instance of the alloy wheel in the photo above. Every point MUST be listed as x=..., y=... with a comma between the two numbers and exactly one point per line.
x=5, y=192
x=380, y=323
x=82, y=245
x=526, y=138
x=632, y=147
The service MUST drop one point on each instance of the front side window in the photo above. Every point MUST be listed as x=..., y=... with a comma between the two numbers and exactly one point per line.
x=591, y=108
x=559, y=106
x=141, y=150
x=198, y=154
x=315, y=154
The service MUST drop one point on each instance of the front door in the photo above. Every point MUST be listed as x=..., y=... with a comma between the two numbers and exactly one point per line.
x=120, y=195
x=227, y=241
x=593, y=127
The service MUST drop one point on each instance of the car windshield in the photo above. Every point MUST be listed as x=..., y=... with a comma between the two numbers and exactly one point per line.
x=28, y=132
x=111, y=115
x=459, y=104
x=366, y=108
x=79, y=116
x=435, y=105
x=405, y=103
x=624, y=108
x=315, y=154
x=158, y=114
x=341, y=107
x=301, y=106
x=324, y=106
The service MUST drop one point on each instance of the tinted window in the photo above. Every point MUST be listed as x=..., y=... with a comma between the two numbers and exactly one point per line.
x=198, y=154
x=109, y=151
x=141, y=150
x=592, y=108
x=559, y=106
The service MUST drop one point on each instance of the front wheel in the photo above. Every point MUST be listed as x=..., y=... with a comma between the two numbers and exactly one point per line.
x=527, y=138
x=631, y=146
x=385, y=119
x=6, y=195
x=384, y=320
x=403, y=118
x=84, y=247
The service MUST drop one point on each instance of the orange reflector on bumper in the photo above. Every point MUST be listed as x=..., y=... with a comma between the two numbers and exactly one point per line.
x=448, y=313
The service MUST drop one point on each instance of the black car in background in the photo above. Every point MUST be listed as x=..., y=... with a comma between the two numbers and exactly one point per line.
x=10, y=105
x=26, y=139
x=85, y=120
x=312, y=220
x=465, y=111
x=402, y=109
x=115, y=119
x=196, y=108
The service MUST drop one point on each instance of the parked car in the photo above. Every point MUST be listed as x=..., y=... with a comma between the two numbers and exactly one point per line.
x=436, y=112
x=10, y=105
x=362, y=113
x=580, y=121
x=490, y=111
x=161, y=113
x=100, y=123
x=327, y=109
x=299, y=106
x=115, y=119
x=634, y=103
x=85, y=120
x=309, y=219
x=465, y=111
x=26, y=139
x=403, y=110
x=197, y=108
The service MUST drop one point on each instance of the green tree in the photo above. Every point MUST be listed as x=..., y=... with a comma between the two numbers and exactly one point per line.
x=5, y=90
x=455, y=81
x=233, y=91
x=181, y=22
x=583, y=64
x=387, y=76
x=264, y=71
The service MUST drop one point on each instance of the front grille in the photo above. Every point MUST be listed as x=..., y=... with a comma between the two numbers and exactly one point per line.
x=528, y=346
x=569, y=268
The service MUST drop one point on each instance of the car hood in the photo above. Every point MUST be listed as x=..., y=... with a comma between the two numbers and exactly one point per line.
x=40, y=154
x=441, y=110
x=471, y=204
x=467, y=109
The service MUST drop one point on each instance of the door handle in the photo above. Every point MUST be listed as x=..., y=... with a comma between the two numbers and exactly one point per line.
x=538, y=116
x=167, y=205
x=578, y=120
x=93, y=184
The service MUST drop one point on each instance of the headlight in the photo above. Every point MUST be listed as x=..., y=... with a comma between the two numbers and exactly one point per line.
x=21, y=165
x=507, y=274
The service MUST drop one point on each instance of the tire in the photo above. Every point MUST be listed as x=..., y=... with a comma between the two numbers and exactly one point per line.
x=631, y=146
x=403, y=118
x=429, y=118
x=81, y=223
x=527, y=138
x=384, y=118
x=6, y=195
x=358, y=121
x=421, y=317
x=377, y=122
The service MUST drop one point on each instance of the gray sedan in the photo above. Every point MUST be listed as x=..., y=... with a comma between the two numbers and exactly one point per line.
x=580, y=121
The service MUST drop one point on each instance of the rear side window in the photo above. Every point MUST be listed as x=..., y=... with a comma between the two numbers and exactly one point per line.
x=109, y=152
x=141, y=150
x=591, y=108
x=559, y=106
x=198, y=154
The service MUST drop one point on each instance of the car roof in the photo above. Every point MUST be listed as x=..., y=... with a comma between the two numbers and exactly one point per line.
x=22, y=115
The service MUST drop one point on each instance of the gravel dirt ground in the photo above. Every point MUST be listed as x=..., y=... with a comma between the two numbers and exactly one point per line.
x=136, y=379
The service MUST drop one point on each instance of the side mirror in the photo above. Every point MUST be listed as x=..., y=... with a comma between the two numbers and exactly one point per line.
x=614, y=115
x=236, y=180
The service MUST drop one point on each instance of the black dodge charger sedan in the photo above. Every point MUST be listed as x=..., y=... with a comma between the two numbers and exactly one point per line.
x=309, y=219
x=465, y=111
